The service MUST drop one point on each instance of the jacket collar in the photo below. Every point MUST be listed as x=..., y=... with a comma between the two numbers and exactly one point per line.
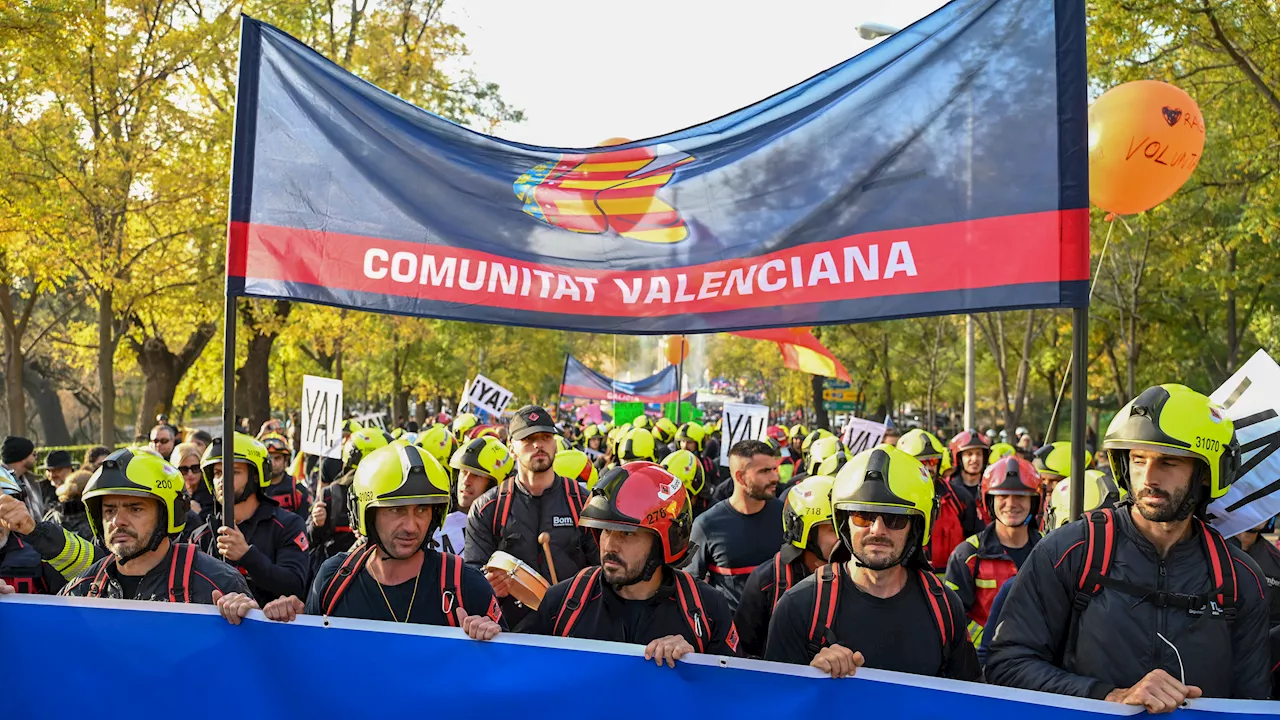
x=989, y=543
x=161, y=570
x=1124, y=522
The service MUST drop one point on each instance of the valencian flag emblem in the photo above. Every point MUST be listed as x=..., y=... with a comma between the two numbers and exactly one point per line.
x=942, y=171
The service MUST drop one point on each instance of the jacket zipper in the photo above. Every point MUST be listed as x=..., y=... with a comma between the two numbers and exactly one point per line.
x=1157, y=644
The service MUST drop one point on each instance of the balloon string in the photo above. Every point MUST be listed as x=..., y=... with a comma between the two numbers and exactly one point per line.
x=1066, y=372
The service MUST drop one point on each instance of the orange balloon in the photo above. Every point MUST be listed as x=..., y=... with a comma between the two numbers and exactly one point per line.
x=1145, y=139
x=677, y=349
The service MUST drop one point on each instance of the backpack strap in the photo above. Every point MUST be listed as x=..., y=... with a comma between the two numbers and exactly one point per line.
x=576, y=599
x=573, y=494
x=502, y=507
x=357, y=558
x=1223, y=572
x=694, y=613
x=824, y=608
x=782, y=579
x=943, y=618
x=1099, y=547
x=450, y=586
x=184, y=556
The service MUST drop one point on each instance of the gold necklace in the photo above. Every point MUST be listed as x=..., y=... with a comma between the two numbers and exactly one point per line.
x=407, y=611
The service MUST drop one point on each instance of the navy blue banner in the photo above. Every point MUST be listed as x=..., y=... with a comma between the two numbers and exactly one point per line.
x=880, y=188
x=74, y=657
x=580, y=381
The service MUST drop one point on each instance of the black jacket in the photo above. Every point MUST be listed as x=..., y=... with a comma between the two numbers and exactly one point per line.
x=605, y=616
x=1268, y=559
x=755, y=607
x=335, y=536
x=572, y=547
x=1117, y=643
x=23, y=569
x=276, y=564
x=207, y=575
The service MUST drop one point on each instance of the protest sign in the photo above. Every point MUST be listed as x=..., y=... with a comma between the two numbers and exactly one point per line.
x=1251, y=398
x=321, y=416
x=742, y=422
x=487, y=395
x=859, y=434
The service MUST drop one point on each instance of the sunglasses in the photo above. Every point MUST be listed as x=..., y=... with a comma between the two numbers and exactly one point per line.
x=161, y=441
x=893, y=521
x=189, y=469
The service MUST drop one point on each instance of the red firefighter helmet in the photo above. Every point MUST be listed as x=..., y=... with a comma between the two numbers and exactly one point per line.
x=643, y=496
x=1011, y=475
x=967, y=440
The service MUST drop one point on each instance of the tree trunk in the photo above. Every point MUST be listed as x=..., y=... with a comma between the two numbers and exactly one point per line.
x=815, y=382
x=1013, y=418
x=48, y=406
x=15, y=328
x=106, y=369
x=13, y=391
x=253, y=379
x=420, y=413
x=163, y=369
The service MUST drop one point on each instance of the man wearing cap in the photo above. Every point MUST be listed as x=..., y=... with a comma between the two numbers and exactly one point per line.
x=511, y=516
x=19, y=455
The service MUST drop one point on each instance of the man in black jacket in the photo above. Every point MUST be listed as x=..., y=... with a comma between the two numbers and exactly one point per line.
x=884, y=607
x=267, y=543
x=637, y=595
x=1167, y=610
x=136, y=505
x=511, y=516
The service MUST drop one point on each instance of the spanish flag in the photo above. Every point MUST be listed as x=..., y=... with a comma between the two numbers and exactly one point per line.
x=801, y=351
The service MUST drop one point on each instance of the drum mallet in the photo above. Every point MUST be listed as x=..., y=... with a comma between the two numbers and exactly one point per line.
x=545, y=541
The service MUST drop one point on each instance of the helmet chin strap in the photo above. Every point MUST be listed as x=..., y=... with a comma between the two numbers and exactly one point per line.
x=651, y=565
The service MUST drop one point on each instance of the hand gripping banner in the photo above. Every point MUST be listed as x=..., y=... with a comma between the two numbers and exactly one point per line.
x=547, y=678
x=580, y=381
x=943, y=170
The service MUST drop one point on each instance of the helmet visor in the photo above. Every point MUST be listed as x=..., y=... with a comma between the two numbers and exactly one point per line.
x=614, y=525
x=413, y=500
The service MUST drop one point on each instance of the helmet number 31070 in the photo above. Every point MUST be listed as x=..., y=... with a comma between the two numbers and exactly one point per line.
x=1203, y=443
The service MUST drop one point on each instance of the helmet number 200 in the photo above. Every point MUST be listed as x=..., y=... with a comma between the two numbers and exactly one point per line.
x=1203, y=443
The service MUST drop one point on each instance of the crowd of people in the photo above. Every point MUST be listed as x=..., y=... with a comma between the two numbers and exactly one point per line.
x=955, y=559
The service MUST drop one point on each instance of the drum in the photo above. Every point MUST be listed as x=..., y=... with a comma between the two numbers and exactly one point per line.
x=527, y=585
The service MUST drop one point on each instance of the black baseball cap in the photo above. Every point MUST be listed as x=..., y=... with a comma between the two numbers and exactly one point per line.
x=531, y=420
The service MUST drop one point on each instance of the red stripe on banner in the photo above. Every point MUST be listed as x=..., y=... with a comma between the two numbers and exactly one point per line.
x=237, y=249
x=1018, y=249
x=594, y=393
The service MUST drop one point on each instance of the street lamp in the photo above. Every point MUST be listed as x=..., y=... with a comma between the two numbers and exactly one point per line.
x=873, y=30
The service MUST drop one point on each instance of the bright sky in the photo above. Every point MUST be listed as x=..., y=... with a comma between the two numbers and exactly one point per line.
x=587, y=70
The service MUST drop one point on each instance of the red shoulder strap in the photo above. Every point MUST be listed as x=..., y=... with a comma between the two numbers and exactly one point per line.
x=338, y=584
x=781, y=579
x=1100, y=541
x=573, y=494
x=824, y=608
x=575, y=600
x=502, y=507
x=694, y=613
x=450, y=586
x=942, y=616
x=184, y=555
x=1220, y=565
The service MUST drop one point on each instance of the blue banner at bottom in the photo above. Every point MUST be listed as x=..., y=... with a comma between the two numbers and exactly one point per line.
x=70, y=657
